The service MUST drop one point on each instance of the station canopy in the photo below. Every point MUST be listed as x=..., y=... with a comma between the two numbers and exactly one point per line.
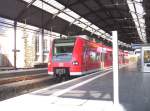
x=146, y=5
x=77, y=17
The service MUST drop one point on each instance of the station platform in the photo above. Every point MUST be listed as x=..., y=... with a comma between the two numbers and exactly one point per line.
x=88, y=93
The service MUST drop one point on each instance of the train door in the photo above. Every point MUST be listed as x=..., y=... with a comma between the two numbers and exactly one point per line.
x=99, y=57
x=85, y=58
x=103, y=55
x=120, y=58
x=102, y=60
x=108, y=59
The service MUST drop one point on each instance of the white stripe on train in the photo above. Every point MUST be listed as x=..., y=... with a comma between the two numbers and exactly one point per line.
x=85, y=72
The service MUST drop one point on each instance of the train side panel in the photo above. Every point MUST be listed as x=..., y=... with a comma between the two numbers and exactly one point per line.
x=76, y=68
x=80, y=57
x=93, y=57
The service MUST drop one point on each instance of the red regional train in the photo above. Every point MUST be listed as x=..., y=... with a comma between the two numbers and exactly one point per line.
x=79, y=55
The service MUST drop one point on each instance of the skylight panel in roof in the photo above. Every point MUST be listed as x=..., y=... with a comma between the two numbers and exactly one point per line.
x=107, y=34
x=89, y=29
x=139, y=9
x=93, y=31
x=101, y=31
x=68, y=11
x=55, y=4
x=78, y=23
x=27, y=1
x=50, y=9
x=38, y=4
x=130, y=4
x=85, y=21
x=134, y=15
x=95, y=27
x=144, y=34
x=66, y=17
x=97, y=33
x=45, y=7
x=103, y=36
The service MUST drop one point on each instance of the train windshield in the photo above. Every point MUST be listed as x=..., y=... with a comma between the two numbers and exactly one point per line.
x=63, y=50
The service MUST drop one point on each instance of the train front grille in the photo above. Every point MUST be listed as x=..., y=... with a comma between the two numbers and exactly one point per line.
x=61, y=70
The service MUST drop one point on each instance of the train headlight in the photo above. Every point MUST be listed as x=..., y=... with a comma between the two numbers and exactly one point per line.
x=75, y=63
x=49, y=63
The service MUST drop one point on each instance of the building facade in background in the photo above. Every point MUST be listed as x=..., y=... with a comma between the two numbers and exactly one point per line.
x=30, y=48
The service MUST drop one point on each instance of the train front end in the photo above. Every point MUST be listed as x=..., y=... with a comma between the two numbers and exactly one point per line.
x=61, y=58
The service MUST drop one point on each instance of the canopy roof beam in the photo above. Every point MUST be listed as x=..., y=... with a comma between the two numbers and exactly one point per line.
x=24, y=10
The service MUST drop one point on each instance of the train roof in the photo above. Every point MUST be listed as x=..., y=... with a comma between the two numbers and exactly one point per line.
x=72, y=39
x=75, y=36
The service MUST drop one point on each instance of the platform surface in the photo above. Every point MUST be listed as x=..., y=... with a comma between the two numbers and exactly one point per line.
x=88, y=93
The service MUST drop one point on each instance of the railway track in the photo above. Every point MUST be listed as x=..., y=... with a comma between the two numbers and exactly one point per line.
x=21, y=84
x=18, y=78
x=12, y=85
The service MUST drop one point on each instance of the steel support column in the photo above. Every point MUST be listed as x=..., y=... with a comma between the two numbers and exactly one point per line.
x=15, y=54
x=42, y=38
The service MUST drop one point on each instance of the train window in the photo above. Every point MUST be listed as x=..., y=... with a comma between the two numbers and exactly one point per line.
x=98, y=56
x=85, y=57
x=103, y=57
x=93, y=55
x=110, y=56
x=63, y=51
x=66, y=47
